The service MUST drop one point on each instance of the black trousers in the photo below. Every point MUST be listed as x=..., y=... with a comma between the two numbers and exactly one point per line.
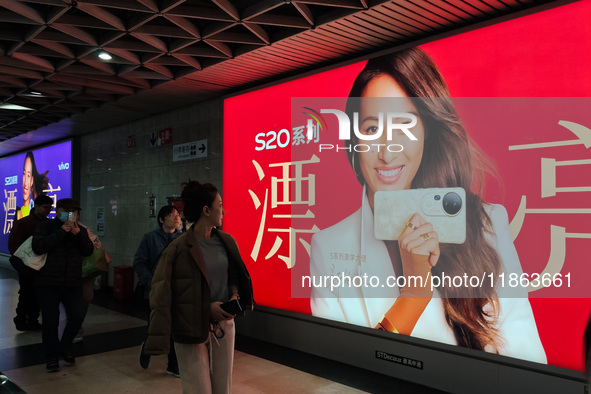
x=49, y=300
x=28, y=306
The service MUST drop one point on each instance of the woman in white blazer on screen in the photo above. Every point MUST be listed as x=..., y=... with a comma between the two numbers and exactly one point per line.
x=442, y=156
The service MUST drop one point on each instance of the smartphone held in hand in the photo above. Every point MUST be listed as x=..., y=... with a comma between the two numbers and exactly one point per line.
x=232, y=307
x=444, y=208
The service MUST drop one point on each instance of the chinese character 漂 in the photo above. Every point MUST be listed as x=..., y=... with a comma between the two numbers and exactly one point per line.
x=286, y=191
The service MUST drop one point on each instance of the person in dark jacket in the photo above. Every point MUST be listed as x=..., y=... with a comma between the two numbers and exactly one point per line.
x=196, y=273
x=27, y=310
x=144, y=264
x=153, y=243
x=60, y=279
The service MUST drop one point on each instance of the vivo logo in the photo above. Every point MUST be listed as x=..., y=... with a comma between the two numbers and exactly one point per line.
x=11, y=180
x=63, y=166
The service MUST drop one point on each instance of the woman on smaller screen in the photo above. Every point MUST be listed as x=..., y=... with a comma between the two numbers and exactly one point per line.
x=33, y=185
x=442, y=156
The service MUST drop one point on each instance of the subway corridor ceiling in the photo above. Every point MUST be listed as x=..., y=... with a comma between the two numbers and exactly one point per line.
x=170, y=53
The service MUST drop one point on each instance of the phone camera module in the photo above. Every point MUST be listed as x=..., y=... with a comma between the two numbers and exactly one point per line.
x=437, y=197
x=452, y=203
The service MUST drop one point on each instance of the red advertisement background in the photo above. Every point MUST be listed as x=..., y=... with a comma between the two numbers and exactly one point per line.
x=542, y=55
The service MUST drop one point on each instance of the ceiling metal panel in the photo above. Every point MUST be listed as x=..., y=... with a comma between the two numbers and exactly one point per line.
x=170, y=53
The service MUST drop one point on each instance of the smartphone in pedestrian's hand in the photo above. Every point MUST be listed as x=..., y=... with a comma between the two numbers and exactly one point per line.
x=444, y=208
x=232, y=307
x=71, y=216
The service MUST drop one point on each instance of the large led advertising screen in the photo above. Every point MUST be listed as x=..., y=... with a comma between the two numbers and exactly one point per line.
x=480, y=139
x=25, y=176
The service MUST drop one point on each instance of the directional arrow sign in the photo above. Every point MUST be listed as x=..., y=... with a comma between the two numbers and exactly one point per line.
x=154, y=139
x=189, y=150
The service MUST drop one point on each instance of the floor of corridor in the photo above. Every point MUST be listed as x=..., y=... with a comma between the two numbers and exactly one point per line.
x=107, y=359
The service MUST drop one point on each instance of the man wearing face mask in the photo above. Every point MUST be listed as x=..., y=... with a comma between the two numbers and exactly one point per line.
x=60, y=279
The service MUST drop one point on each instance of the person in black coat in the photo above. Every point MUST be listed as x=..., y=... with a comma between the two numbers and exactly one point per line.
x=60, y=279
x=27, y=310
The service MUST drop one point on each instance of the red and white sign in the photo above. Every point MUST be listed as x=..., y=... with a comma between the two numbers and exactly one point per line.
x=161, y=137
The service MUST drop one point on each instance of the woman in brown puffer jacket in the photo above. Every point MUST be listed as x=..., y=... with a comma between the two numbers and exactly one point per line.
x=196, y=273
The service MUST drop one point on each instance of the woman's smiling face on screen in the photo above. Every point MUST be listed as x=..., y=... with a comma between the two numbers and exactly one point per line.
x=381, y=168
x=27, y=180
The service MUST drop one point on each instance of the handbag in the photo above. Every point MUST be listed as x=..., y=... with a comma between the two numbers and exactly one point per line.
x=26, y=254
x=95, y=263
